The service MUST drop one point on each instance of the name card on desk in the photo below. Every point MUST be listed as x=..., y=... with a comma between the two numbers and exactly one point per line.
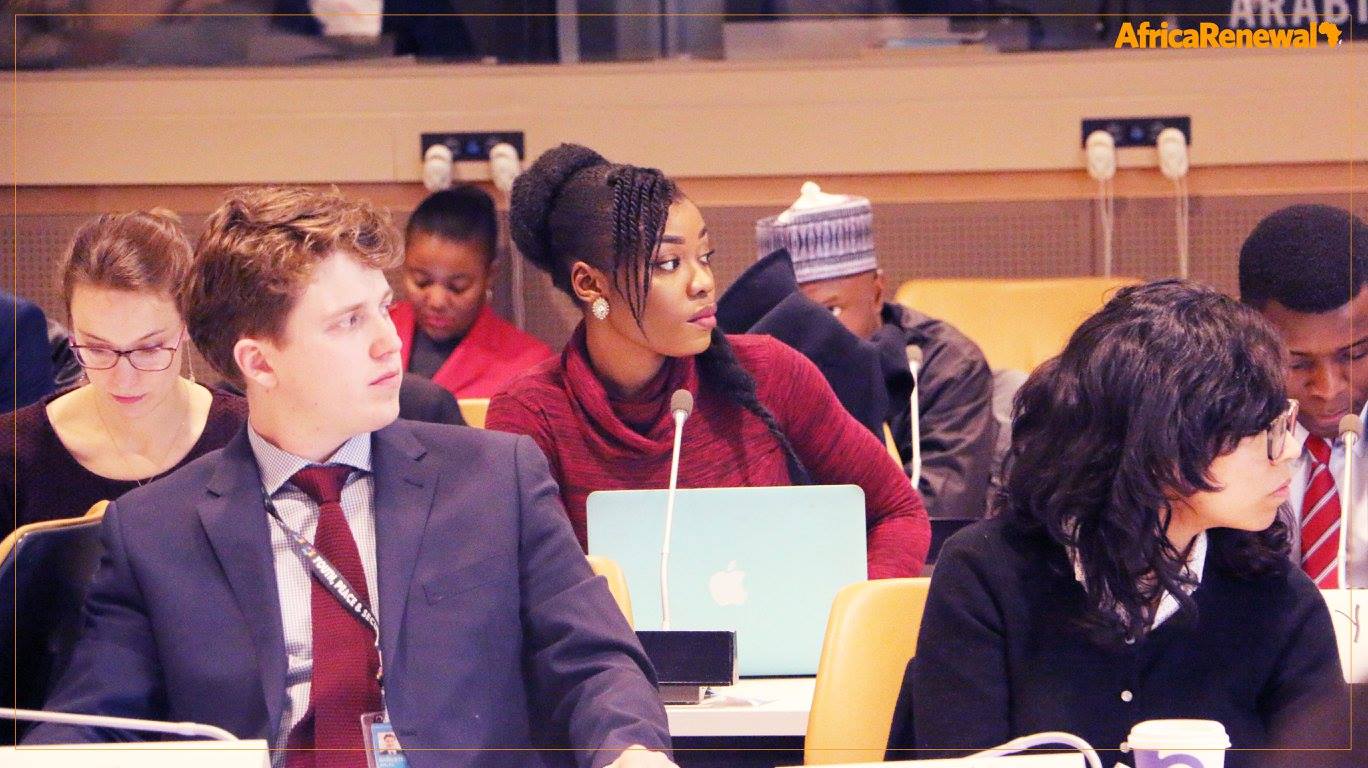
x=151, y=754
x=1064, y=760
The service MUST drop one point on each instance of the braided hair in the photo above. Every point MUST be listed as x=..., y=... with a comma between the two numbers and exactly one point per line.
x=719, y=366
x=573, y=205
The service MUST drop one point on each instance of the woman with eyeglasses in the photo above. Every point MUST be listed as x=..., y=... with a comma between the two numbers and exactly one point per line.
x=1136, y=569
x=136, y=417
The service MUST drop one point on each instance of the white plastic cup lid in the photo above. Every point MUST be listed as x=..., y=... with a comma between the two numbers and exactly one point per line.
x=1170, y=735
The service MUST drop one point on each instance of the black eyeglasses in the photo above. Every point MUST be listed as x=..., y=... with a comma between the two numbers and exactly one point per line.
x=1280, y=429
x=143, y=358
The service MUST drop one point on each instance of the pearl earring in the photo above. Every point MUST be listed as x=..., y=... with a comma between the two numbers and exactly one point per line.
x=599, y=308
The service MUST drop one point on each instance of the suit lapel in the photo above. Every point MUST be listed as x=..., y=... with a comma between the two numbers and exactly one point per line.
x=234, y=518
x=405, y=481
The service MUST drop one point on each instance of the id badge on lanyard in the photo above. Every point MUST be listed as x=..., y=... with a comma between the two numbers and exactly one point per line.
x=382, y=746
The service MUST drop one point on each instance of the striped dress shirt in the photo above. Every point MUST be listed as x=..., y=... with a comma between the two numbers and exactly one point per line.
x=293, y=580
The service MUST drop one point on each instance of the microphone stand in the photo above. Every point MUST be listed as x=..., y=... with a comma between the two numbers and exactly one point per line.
x=914, y=362
x=686, y=661
x=1351, y=432
x=120, y=723
x=681, y=404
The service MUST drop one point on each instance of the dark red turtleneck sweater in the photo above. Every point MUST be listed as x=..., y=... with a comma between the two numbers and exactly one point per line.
x=594, y=442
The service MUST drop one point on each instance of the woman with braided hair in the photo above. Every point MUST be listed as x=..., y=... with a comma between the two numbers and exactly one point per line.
x=634, y=253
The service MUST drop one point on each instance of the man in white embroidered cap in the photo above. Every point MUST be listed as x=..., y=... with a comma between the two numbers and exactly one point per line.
x=830, y=242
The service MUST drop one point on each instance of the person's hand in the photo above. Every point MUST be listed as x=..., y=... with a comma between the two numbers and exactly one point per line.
x=637, y=756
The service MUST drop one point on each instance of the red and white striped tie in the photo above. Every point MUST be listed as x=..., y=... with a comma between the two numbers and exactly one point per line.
x=1320, y=525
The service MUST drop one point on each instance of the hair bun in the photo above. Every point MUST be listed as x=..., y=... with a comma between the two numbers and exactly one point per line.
x=534, y=193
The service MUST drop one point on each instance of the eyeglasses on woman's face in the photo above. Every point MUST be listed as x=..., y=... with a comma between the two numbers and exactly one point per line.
x=1280, y=429
x=142, y=358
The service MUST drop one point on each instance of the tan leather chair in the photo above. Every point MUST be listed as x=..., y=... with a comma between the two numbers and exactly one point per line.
x=892, y=445
x=617, y=583
x=1017, y=323
x=870, y=635
x=474, y=410
x=94, y=514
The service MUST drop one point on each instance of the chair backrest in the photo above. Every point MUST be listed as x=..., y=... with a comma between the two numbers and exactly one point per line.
x=45, y=569
x=617, y=583
x=474, y=410
x=891, y=444
x=7, y=545
x=870, y=635
x=1017, y=323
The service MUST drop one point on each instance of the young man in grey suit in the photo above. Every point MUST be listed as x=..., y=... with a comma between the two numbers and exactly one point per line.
x=466, y=623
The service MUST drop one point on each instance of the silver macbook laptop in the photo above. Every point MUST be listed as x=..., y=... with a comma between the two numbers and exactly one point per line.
x=764, y=562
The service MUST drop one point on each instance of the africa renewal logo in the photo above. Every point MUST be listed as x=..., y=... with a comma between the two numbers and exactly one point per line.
x=1210, y=35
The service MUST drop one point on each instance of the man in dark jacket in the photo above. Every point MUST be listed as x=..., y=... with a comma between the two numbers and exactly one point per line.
x=830, y=242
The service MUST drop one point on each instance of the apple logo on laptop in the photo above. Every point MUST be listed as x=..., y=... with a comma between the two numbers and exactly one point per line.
x=727, y=587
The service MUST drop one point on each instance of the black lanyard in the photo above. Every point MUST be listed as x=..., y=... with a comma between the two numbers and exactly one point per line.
x=333, y=581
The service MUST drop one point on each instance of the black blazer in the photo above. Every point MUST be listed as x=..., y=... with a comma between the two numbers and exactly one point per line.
x=422, y=400
x=1000, y=655
x=765, y=299
x=26, y=373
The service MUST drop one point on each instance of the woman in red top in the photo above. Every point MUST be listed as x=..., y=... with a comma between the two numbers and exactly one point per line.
x=635, y=255
x=449, y=332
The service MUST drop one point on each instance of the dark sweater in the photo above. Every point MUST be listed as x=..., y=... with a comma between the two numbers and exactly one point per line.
x=1000, y=655
x=41, y=480
x=596, y=443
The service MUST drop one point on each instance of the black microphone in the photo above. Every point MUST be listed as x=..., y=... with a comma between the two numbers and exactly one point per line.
x=681, y=405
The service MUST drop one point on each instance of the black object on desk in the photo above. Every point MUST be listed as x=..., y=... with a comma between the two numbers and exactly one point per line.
x=687, y=661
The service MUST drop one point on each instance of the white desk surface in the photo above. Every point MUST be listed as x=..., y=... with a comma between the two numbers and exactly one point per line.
x=760, y=707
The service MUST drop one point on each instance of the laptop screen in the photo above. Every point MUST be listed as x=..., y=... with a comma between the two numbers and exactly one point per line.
x=763, y=562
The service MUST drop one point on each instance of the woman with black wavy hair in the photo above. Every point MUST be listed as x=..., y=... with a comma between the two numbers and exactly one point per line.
x=1135, y=570
x=634, y=253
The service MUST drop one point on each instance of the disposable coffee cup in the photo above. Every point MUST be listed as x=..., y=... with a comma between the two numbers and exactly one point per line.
x=1179, y=744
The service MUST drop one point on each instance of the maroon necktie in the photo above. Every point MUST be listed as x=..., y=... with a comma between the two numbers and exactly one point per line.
x=1320, y=519
x=344, y=658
